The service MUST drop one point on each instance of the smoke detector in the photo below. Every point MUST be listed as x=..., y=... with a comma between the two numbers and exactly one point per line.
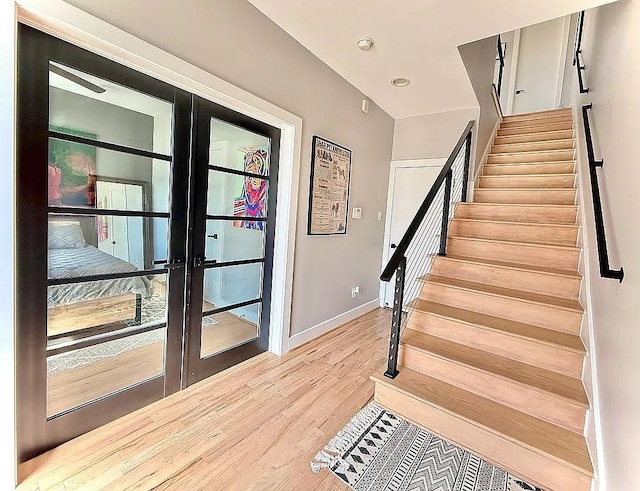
x=400, y=82
x=365, y=43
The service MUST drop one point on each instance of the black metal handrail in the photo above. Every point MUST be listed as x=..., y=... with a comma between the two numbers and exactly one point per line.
x=603, y=254
x=411, y=260
x=580, y=67
x=501, y=69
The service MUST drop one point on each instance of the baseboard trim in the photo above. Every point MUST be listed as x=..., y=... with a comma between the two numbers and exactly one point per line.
x=329, y=325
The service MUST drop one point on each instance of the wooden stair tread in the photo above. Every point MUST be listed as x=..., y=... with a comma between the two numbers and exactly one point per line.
x=532, y=163
x=523, y=205
x=561, y=303
x=562, y=111
x=545, y=140
x=547, y=336
x=516, y=266
x=528, y=224
x=558, y=443
x=503, y=176
x=516, y=242
x=538, y=378
x=534, y=152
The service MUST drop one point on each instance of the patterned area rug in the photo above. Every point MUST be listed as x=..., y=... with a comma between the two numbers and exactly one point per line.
x=379, y=451
x=153, y=311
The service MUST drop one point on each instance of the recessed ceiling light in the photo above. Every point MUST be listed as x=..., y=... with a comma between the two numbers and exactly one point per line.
x=400, y=82
x=365, y=43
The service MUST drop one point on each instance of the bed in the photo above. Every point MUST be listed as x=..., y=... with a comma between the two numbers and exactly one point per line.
x=106, y=301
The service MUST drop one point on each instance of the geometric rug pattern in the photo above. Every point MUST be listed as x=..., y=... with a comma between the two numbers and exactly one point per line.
x=153, y=311
x=380, y=451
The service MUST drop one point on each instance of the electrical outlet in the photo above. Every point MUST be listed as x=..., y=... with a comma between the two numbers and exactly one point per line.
x=355, y=291
x=379, y=215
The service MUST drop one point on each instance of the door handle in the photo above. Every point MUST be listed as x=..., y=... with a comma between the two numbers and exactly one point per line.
x=175, y=263
x=198, y=261
x=393, y=246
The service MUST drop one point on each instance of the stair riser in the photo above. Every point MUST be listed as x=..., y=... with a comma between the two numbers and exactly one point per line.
x=534, y=137
x=529, y=233
x=530, y=182
x=520, y=196
x=521, y=130
x=535, y=314
x=537, y=354
x=544, y=405
x=515, y=253
x=527, y=281
x=532, y=466
x=512, y=158
x=552, y=113
x=532, y=123
x=560, y=215
x=533, y=146
x=527, y=169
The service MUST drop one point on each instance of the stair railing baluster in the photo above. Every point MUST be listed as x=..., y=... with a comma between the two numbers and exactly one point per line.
x=396, y=320
x=445, y=213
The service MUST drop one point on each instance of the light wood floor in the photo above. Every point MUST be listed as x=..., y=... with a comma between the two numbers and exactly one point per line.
x=73, y=387
x=255, y=426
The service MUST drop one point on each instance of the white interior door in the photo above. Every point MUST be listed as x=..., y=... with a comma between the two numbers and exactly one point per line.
x=409, y=183
x=540, y=68
x=124, y=237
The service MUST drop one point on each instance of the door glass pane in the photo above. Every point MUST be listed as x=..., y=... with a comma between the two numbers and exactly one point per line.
x=87, y=106
x=231, y=285
x=85, y=245
x=83, y=375
x=236, y=148
x=234, y=195
x=235, y=240
x=86, y=176
x=228, y=329
x=113, y=304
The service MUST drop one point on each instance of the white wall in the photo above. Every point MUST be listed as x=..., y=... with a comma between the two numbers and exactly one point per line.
x=233, y=40
x=610, y=49
x=7, y=378
x=430, y=136
x=479, y=61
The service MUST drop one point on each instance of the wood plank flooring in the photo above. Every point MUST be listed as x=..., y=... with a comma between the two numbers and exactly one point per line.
x=83, y=384
x=255, y=426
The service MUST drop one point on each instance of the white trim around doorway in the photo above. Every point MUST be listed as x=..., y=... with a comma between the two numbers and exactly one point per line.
x=69, y=23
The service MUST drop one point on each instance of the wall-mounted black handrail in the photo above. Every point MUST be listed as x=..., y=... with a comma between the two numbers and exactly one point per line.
x=425, y=238
x=603, y=254
x=501, y=69
x=578, y=52
x=408, y=236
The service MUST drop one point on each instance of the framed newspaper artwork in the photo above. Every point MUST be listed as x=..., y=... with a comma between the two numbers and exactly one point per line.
x=329, y=188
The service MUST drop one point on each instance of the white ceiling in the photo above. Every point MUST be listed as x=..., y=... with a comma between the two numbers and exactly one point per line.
x=416, y=39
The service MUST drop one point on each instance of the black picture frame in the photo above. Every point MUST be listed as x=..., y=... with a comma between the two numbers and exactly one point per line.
x=314, y=145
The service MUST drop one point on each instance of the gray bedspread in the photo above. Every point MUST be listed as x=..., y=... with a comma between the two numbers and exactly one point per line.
x=89, y=261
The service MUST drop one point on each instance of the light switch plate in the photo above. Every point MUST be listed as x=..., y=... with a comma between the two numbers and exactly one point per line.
x=357, y=213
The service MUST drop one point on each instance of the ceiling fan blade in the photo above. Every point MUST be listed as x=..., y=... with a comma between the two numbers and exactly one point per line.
x=75, y=79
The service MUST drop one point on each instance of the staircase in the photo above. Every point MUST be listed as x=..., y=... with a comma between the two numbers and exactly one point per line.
x=491, y=358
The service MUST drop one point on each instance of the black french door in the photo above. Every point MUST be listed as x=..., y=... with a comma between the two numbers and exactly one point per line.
x=234, y=183
x=145, y=223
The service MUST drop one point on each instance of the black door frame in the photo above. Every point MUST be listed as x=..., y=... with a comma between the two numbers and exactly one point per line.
x=196, y=368
x=36, y=432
